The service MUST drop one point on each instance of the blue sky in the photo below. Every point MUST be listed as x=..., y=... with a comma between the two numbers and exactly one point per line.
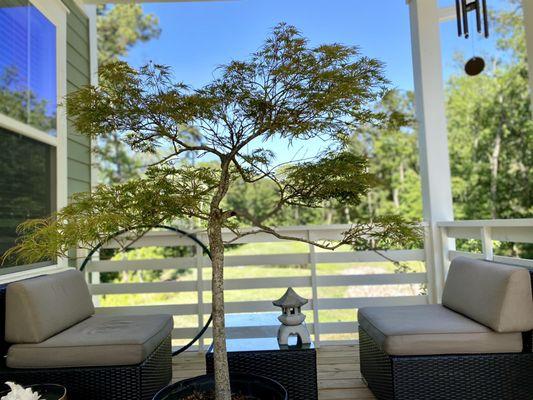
x=197, y=37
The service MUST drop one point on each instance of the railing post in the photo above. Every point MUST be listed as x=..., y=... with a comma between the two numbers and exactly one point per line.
x=445, y=246
x=437, y=260
x=200, y=291
x=486, y=243
x=314, y=288
x=92, y=278
x=95, y=279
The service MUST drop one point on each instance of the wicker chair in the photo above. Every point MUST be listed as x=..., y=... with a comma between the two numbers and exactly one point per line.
x=476, y=345
x=50, y=335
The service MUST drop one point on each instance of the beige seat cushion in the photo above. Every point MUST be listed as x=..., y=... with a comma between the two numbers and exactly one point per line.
x=101, y=340
x=38, y=308
x=431, y=330
x=496, y=295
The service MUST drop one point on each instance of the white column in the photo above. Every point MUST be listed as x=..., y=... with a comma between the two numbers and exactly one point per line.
x=90, y=10
x=433, y=141
x=527, y=6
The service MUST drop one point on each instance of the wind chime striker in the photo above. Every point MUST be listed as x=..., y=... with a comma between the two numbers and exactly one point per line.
x=476, y=64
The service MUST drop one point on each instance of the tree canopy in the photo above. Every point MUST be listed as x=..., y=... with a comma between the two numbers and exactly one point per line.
x=288, y=89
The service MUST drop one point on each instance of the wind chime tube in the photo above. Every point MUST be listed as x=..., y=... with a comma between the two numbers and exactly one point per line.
x=458, y=18
x=478, y=17
x=465, y=18
x=486, y=18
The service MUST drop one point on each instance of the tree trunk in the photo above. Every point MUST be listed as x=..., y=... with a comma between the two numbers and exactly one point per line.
x=216, y=245
x=369, y=203
x=116, y=143
x=494, y=167
x=396, y=197
x=396, y=191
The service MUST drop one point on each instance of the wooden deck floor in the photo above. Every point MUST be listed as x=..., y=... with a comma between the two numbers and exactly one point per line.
x=339, y=377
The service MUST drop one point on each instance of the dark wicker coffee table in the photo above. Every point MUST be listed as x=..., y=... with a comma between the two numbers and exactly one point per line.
x=294, y=368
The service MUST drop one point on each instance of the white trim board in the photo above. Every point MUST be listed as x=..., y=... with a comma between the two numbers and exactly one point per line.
x=56, y=13
x=30, y=273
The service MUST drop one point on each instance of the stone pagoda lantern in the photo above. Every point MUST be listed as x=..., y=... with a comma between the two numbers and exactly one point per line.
x=292, y=319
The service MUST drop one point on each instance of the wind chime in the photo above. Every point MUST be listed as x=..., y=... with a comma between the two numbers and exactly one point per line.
x=476, y=64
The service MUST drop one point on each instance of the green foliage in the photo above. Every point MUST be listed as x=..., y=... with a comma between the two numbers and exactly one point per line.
x=94, y=217
x=392, y=151
x=287, y=89
x=342, y=176
x=120, y=28
x=490, y=128
x=490, y=132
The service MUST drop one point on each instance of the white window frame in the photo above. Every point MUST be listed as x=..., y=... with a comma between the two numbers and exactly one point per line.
x=56, y=12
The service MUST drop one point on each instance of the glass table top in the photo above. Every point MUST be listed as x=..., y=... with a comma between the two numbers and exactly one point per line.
x=263, y=325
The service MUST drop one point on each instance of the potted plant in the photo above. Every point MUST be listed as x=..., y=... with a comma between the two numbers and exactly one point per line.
x=287, y=90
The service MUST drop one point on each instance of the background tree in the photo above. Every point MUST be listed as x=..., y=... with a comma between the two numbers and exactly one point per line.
x=392, y=151
x=120, y=28
x=287, y=89
x=491, y=130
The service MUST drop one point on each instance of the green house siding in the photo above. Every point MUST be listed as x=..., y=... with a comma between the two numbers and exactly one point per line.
x=78, y=75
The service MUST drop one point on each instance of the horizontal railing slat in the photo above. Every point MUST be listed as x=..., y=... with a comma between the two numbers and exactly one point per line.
x=369, y=256
x=256, y=260
x=258, y=283
x=143, y=287
x=169, y=238
x=139, y=265
x=522, y=262
x=492, y=223
x=189, y=262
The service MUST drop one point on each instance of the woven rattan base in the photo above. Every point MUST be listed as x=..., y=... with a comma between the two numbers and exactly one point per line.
x=131, y=382
x=446, y=377
x=295, y=370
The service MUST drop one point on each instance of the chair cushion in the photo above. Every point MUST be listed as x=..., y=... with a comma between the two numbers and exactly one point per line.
x=431, y=330
x=101, y=340
x=38, y=308
x=496, y=295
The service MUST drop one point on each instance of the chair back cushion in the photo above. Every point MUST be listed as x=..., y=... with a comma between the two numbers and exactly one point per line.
x=38, y=308
x=496, y=295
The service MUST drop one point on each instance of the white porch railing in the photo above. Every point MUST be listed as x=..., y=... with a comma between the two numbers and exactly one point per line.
x=313, y=281
x=488, y=232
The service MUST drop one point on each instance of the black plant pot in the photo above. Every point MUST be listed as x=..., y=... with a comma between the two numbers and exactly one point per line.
x=252, y=386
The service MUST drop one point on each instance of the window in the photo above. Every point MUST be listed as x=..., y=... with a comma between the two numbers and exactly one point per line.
x=28, y=83
x=25, y=187
x=32, y=132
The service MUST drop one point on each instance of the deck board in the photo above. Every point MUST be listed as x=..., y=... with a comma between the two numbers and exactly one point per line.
x=339, y=376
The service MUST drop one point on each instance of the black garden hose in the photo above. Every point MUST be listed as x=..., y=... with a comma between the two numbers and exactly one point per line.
x=178, y=231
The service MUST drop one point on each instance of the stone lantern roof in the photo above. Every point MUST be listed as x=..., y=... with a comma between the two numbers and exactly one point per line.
x=290, y=299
